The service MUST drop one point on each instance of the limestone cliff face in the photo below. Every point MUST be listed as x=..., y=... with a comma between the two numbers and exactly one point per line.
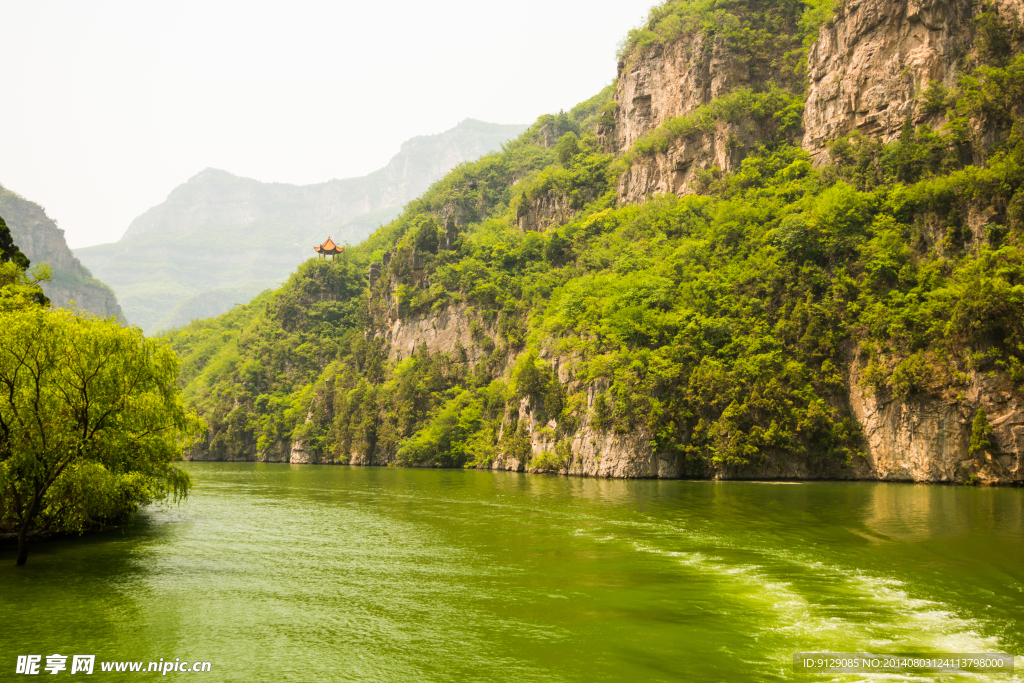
x=547, y=211
x=449, y=331
x=867, y=71
x=923, y=439
x=673, y=80
x=872, y=63
x=39, y=238
x=927, y=437
x=678, y=170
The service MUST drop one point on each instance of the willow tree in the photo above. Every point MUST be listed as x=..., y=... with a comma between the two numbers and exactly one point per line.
x=91, y=420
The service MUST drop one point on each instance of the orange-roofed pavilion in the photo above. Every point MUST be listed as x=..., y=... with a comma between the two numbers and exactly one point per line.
x=328, y=248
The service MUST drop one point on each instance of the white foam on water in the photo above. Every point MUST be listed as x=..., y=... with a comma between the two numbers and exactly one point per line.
x=882, y=614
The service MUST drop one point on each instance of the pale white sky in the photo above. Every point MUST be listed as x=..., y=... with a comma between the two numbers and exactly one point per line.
x=106, y=106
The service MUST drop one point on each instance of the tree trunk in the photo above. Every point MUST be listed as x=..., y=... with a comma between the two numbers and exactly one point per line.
x=23, y=531
x=22, y=544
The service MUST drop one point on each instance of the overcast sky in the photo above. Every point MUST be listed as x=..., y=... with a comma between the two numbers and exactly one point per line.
x=105, y=107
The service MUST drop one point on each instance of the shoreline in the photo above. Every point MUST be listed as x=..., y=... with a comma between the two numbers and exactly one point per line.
x=9, y=539
x=554, y=473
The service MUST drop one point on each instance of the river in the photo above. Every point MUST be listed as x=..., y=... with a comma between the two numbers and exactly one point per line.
x=318, y=573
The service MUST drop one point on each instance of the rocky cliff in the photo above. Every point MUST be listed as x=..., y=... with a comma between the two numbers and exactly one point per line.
x=39, y=238
x=874, y=60
x=784, y=324
x=927, y=437
x=867, y=71
x=674, y=80
x=924, y=438
x=872, y=64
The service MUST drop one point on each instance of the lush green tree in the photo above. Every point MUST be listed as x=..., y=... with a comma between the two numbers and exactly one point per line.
x=568, y=146
x=981, y=433
x=19, y=290
x=91, y=419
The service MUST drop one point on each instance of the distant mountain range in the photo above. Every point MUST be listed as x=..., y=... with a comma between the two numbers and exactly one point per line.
x=218, y=239
x=39, y=238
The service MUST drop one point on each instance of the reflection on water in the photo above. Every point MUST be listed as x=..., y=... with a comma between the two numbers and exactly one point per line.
x=278, y=572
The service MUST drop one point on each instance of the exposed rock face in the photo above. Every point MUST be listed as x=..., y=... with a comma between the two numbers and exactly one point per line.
x=928, y=437
x=547, y=211
x=673, y=80
x=870, y=65
x=677, y=171
x=867, y=71
x=593, y=453
x=39, y=238
x=215, y=448
x=449, y=331
x=925, y=439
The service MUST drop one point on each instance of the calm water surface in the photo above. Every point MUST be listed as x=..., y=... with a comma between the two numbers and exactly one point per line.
x=308, y=573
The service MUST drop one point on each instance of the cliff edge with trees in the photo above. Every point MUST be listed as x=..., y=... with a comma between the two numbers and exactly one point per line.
x=745, y=258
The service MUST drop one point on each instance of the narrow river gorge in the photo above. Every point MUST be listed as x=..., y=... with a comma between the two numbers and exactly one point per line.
x=318, y=573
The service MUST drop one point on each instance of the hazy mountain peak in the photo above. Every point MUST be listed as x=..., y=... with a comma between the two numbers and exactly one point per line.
x=184, y=252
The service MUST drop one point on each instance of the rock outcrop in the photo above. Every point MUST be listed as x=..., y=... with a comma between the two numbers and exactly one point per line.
x=39, y=238
x=927, y=437
x=668, y=81
x=679, y=170
x=547, y=211
x=450, y=331
x=672, y=80
x=873, y=62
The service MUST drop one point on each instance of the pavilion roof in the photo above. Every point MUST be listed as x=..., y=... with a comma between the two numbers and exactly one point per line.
x=329, y=247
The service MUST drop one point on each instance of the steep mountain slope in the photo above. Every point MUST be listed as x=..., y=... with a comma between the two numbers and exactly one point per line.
x=673, y=280
x=219, y=239
x=39, y=238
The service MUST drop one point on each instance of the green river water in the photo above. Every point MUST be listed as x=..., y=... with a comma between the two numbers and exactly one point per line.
x=316, y=573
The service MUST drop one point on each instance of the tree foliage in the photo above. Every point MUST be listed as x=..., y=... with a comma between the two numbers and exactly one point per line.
x=90, y=420
x=981, y=433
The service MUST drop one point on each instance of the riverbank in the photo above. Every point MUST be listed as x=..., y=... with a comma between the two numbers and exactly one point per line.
x=766, y=473
x=10, y=538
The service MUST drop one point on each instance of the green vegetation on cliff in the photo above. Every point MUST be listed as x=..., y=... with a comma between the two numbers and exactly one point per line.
x=721, y=326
